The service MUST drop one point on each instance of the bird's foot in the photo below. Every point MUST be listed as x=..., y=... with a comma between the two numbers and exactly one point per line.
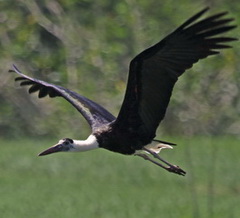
x=176, y=169
x=170, y=167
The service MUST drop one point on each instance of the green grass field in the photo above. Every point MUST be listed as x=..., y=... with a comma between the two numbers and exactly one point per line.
x=102, y=184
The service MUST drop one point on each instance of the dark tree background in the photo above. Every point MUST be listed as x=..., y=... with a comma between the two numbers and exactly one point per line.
x=87, y=45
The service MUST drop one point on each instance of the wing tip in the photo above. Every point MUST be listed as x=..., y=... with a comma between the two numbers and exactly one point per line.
x=14, y=69
x=193, y=18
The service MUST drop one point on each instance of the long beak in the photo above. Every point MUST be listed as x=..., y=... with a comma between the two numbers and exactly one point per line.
x=53, y=149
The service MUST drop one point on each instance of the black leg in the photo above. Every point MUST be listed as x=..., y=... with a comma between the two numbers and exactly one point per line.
x=171, y=168
x=146, y=157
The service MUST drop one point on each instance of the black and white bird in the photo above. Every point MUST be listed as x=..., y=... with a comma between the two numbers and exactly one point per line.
x=152, y=75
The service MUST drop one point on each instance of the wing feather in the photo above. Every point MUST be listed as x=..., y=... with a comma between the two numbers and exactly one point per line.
x=154, y=72
x=95, y=114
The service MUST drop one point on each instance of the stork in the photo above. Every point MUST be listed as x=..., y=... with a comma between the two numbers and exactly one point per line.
x=152, y=76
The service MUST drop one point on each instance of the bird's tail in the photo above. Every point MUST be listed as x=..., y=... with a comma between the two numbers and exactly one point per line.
x=158, y=147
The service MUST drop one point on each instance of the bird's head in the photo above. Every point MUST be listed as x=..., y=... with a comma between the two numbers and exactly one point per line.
x=66, y=144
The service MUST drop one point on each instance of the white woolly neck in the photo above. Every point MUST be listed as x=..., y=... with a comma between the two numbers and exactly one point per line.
x=85, y=145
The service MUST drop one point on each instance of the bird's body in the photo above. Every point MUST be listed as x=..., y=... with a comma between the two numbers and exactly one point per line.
x=123, y=141
x=152, y=76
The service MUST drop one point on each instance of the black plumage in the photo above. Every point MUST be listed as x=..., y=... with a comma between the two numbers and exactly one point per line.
x=152, y=76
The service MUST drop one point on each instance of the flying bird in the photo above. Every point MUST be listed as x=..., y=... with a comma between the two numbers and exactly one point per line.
x=152, y=76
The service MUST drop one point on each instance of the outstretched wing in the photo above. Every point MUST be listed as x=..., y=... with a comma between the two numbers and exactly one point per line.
x=95, y=114
x=154, y=72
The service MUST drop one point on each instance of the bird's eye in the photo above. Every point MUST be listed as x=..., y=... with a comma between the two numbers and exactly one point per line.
x=67, y=141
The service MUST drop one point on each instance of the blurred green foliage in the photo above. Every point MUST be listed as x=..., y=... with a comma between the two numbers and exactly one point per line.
x=87, y=45
x=101, y=184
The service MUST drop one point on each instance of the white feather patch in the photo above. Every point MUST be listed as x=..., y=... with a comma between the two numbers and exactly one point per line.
x=158, y=147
